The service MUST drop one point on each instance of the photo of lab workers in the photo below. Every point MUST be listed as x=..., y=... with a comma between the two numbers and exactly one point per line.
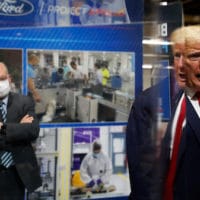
x=81, y=162
x=45, y=148
x=95, y=12
x=53, y=152
x=82, y=86
x=99, y=163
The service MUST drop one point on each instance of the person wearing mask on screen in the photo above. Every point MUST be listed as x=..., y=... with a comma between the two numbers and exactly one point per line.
x=75, y=71
x=19, y=127
x=67, y=71
x=97, y=87
x=33, y=62
x=180, y=155
x=96, y=168
x=98, y=74
x=143, y=134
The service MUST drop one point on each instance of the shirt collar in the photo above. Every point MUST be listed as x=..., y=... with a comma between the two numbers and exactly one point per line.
x=5, y=101
x=190, y=93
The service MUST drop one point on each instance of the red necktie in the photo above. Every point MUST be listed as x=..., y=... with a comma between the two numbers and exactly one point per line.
x=168, y=190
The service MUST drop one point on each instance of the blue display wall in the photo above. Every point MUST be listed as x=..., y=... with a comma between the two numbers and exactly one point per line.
x=57, y=30
x=107, y=38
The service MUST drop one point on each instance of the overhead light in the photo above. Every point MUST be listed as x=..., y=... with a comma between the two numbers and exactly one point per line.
x=147, y=66
x=156, y=42
x=163, y=3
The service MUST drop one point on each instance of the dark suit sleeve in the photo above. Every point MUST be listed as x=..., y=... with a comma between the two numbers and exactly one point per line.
x=26, y=132
x=18, y=138
x=140, y=143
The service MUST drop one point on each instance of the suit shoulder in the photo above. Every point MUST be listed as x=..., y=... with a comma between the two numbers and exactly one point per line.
x=147, y=94
x=20, y=98
x=18, y=95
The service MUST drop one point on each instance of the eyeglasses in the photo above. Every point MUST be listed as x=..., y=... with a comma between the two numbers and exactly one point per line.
x=3, y=78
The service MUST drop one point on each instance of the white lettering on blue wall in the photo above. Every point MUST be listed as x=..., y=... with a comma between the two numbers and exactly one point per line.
x=53, y=9
x=16, y=8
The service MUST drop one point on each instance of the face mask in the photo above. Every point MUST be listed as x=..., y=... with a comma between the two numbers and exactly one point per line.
x=4, y=88
x=96, y=155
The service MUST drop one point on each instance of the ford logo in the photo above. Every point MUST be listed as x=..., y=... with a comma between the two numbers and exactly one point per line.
x=15, y=7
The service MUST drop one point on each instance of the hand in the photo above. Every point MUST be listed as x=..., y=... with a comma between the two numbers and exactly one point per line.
x=36, y=97
x=90, y=184
x=1, y=124
x=99, y=182
x=100, y=185
x=27, y=119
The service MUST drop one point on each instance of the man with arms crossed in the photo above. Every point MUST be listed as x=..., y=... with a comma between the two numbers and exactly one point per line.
x=18, y=128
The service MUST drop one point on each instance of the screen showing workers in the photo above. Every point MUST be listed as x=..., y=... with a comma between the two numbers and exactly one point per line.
x=99, y=167
x=82, y=86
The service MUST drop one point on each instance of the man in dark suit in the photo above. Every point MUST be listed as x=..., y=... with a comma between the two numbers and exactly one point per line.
x=143, y=135
x=185, y=181
x=18, y=128
x=141, y=144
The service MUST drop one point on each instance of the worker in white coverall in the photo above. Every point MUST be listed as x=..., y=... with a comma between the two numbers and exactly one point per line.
x=96, y=168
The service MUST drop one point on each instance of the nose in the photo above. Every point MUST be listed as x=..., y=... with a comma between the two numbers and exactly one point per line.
x=180, y=61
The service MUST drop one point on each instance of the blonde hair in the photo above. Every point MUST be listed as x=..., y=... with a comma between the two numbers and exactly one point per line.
x=192, y=34
x=185, y=34
x=178, y=35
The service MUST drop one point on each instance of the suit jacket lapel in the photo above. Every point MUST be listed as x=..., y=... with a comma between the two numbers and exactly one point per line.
x=10, y=100
x=169, y=127
x=193, y=121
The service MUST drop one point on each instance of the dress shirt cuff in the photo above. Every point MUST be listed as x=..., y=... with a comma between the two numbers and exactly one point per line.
x=3, y=129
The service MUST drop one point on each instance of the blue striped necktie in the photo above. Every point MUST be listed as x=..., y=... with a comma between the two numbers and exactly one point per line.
x=2, y=112
x=6, y=158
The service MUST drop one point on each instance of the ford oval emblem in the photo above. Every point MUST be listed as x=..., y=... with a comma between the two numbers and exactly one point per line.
x=15, y=7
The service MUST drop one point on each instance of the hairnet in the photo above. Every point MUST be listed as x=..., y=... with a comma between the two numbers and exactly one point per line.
x=96, y=146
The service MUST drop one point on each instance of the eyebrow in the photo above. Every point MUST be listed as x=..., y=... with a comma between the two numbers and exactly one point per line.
x=193, y=54
x=177, y=53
